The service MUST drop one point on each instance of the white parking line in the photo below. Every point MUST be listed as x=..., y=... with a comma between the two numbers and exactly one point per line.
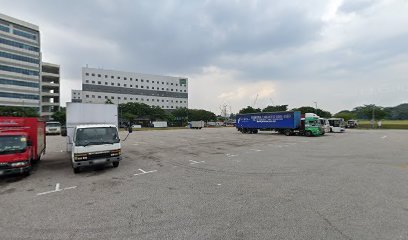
x=144, y=172
x=57, y=189
x=383, y=137
x=230, y=155
x=256, y=150
x=195, y=162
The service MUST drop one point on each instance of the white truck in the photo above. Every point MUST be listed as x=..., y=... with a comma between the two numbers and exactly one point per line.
x=337, y=125
x=196, y=124
x=53, y=128
x=92, y=135
x=159, y=124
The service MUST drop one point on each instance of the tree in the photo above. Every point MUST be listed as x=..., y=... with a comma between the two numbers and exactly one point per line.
x=60, y=116
x=368, y=110
x=249, y=109
x=18, y=111
x=345, y=114
x=319, y=112
x=108, y=101
x=277, y=108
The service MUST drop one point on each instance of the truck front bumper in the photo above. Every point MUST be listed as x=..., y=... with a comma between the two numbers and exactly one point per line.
x=99, y=161
x=18, y=170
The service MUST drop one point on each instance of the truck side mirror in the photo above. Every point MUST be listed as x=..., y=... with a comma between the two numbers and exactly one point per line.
x=29, y=143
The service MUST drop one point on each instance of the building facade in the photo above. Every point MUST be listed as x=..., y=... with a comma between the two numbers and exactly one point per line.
x=100, y=85
x=50, y=89
x=20, y=63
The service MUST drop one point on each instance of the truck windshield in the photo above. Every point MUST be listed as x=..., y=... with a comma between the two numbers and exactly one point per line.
x=313, y=122
x=12, y=144
x=96, y=136
x=53, y=125
x=334, y=123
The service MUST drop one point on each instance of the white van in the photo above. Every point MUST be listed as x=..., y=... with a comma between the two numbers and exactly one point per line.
x=337, y=125
x=53, y=128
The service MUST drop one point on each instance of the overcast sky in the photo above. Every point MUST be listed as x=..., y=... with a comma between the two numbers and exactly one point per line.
x=337, y=53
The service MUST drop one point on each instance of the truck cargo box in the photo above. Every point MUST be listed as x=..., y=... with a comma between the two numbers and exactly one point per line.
x=272, y=120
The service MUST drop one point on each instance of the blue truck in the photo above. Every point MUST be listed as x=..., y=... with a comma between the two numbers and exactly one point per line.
x=288, y=123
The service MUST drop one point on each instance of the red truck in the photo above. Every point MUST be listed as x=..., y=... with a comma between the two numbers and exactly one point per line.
x=22, y=142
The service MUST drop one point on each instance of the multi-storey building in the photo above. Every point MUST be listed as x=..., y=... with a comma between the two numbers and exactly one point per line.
x=100, y=85
x=20, y=63
x=50, y=89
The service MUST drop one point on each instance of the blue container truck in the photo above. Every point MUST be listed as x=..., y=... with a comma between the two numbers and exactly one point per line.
x=288, y=123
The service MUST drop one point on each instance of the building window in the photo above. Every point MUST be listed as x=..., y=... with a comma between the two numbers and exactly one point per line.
x=112, y=84
x=167, y=100
x=125, y=98
x=99, y=82
x=176, y=101
x=141, y=80
x=118, y=77
x=136, y=99
x=93, y=96
x=106, y=76
x=131, y=79
x=171, y=100
x=99, y=96
x=172, y=90
x=171, y=83
x=136, y=86
x=131, y=85
x=162, y=100
x=87, y=96
x=112, y=77
x=136, y=79
x=147, y=80
x=86, y=74
x=118, y=97
x=106, y=83
x=176, y=84
x=163, y=89
x=152, y=81
x=124, y=85
x=112, y=97
x=93, y=74
x=163, y=83
x=141, y=86
x=131, y=99
x=147, y=99
x=125, y=78
x=93, y=82
x=118, y=84
x=171, y=106
x=87, y=81
x=106, y=97
x=99, y=75
x=147, y=87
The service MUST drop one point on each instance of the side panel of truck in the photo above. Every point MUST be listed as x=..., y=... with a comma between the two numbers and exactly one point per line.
x=276, y=120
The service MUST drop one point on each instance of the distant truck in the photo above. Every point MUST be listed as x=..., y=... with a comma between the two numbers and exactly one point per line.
x=352, y=123
x=159, y=124
x=92, y=132
x=53, y=128
x=22, y=142
x=337, y=125
x=196, y=124
x=288, y=123
x=325, y=124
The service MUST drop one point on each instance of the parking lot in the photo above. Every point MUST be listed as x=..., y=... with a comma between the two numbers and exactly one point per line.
x=218, y=184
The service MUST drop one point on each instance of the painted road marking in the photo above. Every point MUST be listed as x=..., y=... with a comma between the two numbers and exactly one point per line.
x=230, y=155
x=195, y=162
x=144, y=172
x=57, y=189
x=384, y=137
x=256, y=150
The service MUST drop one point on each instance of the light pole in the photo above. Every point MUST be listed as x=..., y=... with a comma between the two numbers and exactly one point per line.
x=315, y=107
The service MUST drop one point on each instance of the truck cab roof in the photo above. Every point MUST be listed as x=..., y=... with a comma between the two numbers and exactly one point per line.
x=12, y=133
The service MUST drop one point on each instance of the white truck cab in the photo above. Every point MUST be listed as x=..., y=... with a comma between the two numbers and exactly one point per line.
x=337, y=125
x=94, y=145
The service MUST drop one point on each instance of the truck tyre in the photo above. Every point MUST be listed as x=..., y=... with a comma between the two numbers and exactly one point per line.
x=76, y=170
x=287, y=132
x=115, y=164
x=255, y=131
x=308, y=134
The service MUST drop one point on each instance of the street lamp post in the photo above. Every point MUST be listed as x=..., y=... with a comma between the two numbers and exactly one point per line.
x=315, y=107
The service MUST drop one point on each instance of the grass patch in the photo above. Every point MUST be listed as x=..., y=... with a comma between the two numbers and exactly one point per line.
x=386, y=124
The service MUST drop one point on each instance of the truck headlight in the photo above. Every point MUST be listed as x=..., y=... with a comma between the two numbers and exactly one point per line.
x=20, y=164
x=115, y=153
x=80, y=157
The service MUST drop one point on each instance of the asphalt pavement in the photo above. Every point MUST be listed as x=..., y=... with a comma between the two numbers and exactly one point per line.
x=218, y=184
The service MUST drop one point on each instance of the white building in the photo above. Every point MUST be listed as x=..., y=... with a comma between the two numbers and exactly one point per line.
x=20, y=63
x=99, y=85
x=50, y=89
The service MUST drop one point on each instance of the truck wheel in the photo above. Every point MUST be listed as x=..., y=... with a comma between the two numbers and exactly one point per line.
x=308, y=134
x=255, y=131
x=115, y=164
x=287, y=132
x=77, y=170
